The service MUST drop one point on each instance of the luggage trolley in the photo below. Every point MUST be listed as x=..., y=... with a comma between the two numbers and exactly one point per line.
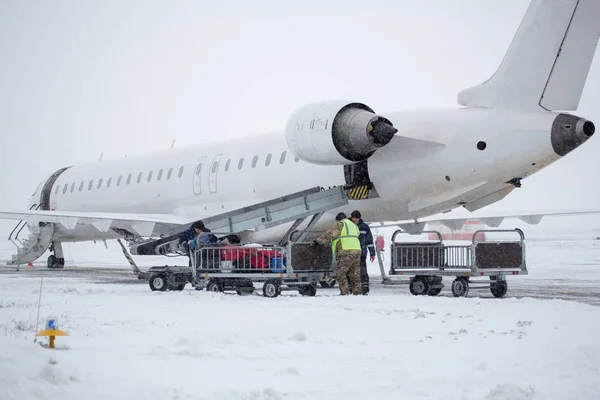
x=428, y=262
x=295, y=266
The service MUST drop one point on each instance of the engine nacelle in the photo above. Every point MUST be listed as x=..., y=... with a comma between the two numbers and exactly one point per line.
x=337, y=133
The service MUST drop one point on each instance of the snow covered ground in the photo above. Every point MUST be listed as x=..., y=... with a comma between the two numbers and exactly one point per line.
x=128, y=342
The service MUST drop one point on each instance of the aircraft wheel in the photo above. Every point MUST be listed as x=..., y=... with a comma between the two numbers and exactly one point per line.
x=214, y=286
x=418, y=286
x=158, y=282
x=460, y=287
x=499, y=288
x=271, y=289
x=434, y=291
x=55, y=262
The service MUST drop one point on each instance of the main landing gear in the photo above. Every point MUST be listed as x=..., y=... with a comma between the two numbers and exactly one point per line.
x=56, y=260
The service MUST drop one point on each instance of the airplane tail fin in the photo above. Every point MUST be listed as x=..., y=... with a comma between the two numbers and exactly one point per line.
x=547, y=63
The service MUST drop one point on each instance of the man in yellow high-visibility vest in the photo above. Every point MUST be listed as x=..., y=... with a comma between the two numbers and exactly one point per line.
x=346, y=247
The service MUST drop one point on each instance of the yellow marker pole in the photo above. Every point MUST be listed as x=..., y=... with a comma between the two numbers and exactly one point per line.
x=52, y=333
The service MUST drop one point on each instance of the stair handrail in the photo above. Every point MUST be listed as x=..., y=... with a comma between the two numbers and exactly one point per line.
x=10, y=237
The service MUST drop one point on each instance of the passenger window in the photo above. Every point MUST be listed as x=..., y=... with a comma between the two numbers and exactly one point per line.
x=198, y=169
x=268, y=160
x=282, y=159
x=159, y=175
x=99, y=184
x=108, y=182
x=119, y=180
x=227, y=164
x=81, y=186
x=90, y=185
x=169, y=173
x=214, y=167
x=254, y=161
x=65, y=188
x=139, y=179
x=72, y=187
x=129, y=179
x=149, y=176
x=180, y=172
x=241, y=163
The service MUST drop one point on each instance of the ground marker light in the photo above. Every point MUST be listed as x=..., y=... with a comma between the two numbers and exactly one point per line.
x=52, y=330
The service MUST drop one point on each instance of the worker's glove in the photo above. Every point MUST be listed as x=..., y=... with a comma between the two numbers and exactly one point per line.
x=372, y=258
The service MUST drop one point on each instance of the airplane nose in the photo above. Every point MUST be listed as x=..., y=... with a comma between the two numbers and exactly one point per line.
x=569, y=132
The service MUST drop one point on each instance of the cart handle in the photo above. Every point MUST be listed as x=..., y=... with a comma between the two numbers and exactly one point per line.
x=520, y=232
x=439, y=235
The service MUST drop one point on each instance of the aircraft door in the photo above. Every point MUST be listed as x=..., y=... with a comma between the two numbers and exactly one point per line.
x=212, y=175
x=198, y=172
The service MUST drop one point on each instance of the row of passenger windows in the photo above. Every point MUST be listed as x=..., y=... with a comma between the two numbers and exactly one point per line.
x=254, y=161
x=169, y=173
x=119, y=179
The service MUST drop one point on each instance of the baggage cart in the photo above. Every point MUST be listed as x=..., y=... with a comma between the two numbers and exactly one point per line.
x=296, y=266
x=426, y=263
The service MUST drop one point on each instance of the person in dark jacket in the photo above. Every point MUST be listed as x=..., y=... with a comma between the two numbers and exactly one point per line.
x=366, y=245
x=196, y=230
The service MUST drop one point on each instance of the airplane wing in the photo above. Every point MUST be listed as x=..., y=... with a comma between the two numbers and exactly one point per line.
x=142, y=224
x=489, y=219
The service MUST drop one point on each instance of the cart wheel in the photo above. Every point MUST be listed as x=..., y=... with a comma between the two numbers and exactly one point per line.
x=158, y=282
x=327, y=283
x=498, y=288
x=418, y=286
x=214, y=286
x=244, y=287
x=460, y=287
x=308, y=290
x=271, y=289
x=434, y=291
x=177, y=287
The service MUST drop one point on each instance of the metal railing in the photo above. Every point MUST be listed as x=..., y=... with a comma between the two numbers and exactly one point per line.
x=19, y=228
x=239, y=259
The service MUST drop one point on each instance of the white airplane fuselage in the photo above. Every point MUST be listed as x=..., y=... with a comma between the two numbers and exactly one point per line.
x=415, y=163
x=441, y=170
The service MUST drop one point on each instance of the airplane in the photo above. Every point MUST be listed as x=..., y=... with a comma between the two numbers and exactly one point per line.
x=415, y=164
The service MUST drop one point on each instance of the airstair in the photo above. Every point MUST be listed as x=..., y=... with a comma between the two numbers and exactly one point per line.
x=296, y=207
x=36, y=244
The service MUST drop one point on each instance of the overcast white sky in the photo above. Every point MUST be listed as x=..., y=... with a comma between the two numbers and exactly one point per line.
x=128, y=77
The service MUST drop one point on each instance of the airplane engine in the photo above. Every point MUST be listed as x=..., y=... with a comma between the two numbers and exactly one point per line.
x=337, y=133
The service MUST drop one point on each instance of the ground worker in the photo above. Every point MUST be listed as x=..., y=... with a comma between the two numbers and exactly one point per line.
x=189, y=238
x=366, y=243
x=346, y=247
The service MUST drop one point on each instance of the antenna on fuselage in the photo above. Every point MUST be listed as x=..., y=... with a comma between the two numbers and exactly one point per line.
x=101, y=154
x=173, y=144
